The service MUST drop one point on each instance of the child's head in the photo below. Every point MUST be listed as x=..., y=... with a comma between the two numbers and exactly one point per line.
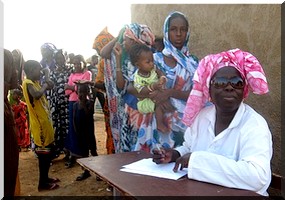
x=142, y=57
x=79, y=63
x=32, y=70
x=82, y=91
x=17, y=94
x=94, y=60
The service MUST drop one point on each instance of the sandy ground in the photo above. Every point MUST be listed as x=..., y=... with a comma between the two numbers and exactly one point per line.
x=28, y=172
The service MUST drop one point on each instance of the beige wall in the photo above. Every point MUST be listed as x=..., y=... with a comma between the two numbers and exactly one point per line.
x=215, y=28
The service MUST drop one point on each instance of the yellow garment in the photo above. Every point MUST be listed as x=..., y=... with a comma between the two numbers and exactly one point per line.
x=145, y=105
x=41, y=126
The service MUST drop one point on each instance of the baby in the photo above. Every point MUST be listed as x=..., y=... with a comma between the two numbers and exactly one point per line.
x=147, y=78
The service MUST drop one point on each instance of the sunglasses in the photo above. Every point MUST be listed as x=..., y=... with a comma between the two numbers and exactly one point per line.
x=221, y=82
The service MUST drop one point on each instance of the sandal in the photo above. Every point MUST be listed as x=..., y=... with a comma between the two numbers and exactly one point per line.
x=83, y=176
x=69, y=164
x=53, y=180
x=48, y=186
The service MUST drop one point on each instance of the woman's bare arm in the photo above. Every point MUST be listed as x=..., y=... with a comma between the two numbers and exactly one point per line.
x=37, y=93
x=107, y=49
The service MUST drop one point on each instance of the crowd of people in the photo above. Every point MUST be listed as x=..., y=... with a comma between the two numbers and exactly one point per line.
x=154, y=93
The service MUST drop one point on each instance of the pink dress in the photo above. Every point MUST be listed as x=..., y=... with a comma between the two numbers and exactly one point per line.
x=73, y=78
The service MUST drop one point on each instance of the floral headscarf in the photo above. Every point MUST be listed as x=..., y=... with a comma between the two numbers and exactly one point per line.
x=181, y=56
x=140, y=33
x=248, y=66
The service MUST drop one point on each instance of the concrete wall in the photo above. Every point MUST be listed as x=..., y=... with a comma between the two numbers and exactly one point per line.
x=215, y=28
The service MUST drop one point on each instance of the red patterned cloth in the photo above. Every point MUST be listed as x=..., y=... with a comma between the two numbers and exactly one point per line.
x=22, y=131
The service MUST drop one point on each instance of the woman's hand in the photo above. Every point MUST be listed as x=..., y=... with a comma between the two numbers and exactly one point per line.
x=158, y=96
x=50, y=84
x=162, y=155
x=166, y=106
x=182, y=161
x=69, y=87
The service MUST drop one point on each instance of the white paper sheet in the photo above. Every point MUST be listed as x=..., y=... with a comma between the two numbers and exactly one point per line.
x=148, y=167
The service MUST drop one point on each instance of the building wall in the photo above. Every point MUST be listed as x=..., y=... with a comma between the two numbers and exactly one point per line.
x=217, y=27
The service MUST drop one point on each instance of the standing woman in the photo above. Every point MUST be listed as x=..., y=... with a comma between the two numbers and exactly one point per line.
x=11, y=152
x=103, y=38
x=59, y=101
x=118, y=72
x=178, y=65
x=79, y=73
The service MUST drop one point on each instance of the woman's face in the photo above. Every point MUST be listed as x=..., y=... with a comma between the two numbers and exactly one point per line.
x=60, y=59
x=177, y=32
x=226, y=89
x=46, y=53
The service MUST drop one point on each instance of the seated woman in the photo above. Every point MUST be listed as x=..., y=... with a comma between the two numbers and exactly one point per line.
x=227, y=143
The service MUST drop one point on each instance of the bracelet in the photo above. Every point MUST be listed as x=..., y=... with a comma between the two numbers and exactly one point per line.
x=149, y=88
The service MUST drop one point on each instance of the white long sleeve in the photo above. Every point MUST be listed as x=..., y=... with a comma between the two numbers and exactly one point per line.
x=239, y=157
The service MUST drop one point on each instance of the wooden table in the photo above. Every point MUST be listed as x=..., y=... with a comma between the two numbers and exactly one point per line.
x=108, y=168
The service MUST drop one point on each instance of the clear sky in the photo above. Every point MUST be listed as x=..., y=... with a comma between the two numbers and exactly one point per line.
x=68, y=24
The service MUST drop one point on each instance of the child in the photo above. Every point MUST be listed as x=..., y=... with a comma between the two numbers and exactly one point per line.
x=147, y=79
x=20, y=116
x=40, y=121
x=83, y=123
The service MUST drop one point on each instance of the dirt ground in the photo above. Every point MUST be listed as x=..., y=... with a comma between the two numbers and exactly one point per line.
x=28, y=172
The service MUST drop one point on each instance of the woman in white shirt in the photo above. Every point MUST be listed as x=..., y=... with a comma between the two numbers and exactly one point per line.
x=227, y=143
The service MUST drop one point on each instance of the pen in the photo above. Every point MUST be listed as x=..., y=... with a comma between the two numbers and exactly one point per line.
x=158, y=146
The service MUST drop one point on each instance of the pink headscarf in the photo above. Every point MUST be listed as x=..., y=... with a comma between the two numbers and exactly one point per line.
x=248, y=66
